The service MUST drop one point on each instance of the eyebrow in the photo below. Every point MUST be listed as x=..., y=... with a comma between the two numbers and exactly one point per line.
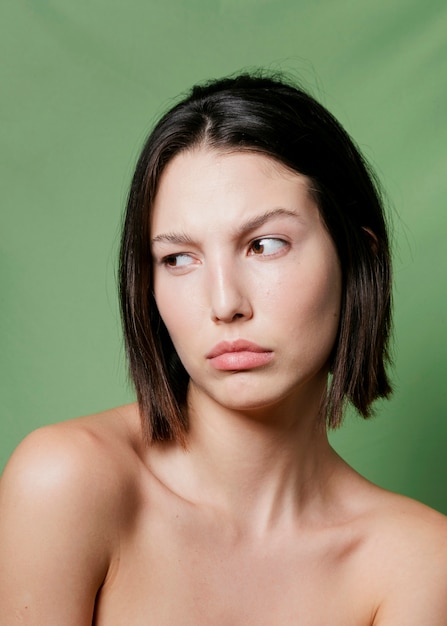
x=180, y=238
x=249, y=225
x=260, y=220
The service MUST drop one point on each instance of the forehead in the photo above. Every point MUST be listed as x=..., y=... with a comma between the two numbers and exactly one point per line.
x=204, y=184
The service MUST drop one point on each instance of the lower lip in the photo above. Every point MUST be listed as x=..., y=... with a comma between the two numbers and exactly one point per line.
x=244, y=360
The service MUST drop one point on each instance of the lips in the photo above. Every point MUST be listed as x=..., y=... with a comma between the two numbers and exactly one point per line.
x=238, y=355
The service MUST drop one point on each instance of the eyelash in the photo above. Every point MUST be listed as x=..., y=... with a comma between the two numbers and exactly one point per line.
x=172, y=259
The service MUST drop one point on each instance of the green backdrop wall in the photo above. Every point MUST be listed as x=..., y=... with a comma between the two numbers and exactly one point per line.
x=82, y=83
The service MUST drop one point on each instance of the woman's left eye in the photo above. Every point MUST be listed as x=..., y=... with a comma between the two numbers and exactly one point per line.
x=266, y=246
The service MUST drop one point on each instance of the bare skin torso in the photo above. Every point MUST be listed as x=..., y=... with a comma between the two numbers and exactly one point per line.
x=188, y=563
x=184, y=564
x=120, y=540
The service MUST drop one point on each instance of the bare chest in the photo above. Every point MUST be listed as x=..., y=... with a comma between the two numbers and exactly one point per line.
x=193, y=572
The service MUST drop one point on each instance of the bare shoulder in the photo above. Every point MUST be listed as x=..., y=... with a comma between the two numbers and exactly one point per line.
x=96, y=448
x=412, y=528
x=63, y=495
x=408, y=550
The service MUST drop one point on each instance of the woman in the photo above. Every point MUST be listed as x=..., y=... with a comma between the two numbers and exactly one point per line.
x=255, y=294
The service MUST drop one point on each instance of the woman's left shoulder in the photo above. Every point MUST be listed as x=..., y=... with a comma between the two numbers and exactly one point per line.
x=408, y=553
x=408, y=519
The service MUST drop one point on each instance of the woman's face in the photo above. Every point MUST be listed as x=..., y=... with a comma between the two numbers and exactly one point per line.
x=246, y=278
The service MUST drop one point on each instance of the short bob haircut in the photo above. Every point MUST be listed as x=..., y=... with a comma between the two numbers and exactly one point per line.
x=266, y=115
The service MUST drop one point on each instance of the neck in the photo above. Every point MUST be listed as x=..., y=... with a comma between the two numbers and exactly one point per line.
x=257, y=467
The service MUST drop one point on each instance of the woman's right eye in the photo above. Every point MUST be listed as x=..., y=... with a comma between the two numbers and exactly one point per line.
x=177, y=260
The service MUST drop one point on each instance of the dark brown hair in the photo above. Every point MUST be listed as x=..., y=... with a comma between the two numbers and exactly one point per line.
x=270, y=116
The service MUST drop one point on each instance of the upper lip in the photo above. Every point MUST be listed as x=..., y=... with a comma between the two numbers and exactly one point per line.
x=239, y=345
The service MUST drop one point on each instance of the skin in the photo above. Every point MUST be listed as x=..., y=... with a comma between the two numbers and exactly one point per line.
x=258, y=521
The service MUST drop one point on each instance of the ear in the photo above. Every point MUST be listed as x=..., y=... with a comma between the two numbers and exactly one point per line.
x=372, y=239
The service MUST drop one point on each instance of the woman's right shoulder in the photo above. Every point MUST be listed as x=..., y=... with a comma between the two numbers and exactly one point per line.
x=89, y=459
x=65, y=496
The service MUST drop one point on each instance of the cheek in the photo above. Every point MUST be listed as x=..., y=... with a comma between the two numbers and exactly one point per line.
x=176, y=311
x=313, y=294
x=325, y=305
x=328, y=297
x=310, y=309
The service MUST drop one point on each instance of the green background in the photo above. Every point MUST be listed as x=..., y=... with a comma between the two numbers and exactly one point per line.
x=83, y=81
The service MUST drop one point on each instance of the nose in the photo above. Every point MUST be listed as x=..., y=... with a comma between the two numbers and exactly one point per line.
x=229, y=294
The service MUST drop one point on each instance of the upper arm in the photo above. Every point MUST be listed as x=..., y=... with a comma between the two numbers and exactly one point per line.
x=426, y=605
x=55, y=540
